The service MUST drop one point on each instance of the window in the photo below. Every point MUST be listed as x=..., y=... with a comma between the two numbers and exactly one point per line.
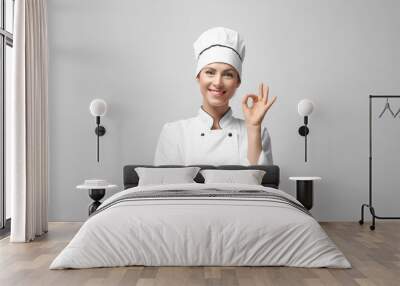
x=6, y=44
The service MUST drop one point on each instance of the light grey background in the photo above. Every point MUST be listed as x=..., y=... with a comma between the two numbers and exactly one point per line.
x=137, y=55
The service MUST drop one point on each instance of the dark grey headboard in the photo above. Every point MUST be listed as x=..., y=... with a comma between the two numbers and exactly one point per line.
x=271, y=178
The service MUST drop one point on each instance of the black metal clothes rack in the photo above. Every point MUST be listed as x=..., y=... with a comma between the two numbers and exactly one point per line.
x=369, y=205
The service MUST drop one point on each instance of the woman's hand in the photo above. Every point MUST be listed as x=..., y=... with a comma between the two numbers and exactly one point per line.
x=254, y=115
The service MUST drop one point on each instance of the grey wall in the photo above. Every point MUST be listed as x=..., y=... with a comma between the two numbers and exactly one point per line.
x=137, y=55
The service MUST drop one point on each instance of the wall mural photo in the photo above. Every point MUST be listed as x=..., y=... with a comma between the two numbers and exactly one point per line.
x=215, y=136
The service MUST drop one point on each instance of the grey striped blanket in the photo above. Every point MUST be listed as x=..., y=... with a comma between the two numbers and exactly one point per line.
x=206, y=194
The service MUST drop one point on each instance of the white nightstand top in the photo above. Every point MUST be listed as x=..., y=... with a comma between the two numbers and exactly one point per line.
x=304, y=178
x=87, y=187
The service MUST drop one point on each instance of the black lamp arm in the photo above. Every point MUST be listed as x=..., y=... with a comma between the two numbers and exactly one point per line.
x=100, y=131
x=303, y=131
x=305, y=120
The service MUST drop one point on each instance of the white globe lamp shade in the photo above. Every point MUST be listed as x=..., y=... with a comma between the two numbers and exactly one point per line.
x=305, y=107
x=98, y=107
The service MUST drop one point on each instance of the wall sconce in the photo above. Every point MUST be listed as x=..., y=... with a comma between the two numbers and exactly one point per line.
x=305, y=108
x=98, y=107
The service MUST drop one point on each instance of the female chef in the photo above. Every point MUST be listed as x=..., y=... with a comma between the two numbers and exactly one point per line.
x=214, y=136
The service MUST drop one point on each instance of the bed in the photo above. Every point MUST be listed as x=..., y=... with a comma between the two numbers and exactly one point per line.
x=201, y=224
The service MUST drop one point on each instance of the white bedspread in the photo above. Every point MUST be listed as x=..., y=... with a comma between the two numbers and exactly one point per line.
x=200, y=231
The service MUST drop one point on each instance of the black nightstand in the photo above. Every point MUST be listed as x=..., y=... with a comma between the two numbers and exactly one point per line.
x=96, y=193
x=304, y=190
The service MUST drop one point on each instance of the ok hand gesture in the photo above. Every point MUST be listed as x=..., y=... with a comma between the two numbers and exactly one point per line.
x=254, y=115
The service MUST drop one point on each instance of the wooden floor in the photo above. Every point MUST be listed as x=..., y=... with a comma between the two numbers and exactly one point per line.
x=375, y=257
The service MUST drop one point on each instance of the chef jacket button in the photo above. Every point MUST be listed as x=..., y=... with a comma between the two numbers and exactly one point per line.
x=202, y=134
x=230, y=134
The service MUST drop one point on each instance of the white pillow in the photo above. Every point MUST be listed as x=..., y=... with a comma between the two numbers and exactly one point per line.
x=163, y=176
x=249, y=177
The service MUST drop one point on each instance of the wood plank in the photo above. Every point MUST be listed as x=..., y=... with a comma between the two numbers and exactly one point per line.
x=375, y=257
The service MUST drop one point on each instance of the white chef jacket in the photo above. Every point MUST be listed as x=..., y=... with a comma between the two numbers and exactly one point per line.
x=192, y=142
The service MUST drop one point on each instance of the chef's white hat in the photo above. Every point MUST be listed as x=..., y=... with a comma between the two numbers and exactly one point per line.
x=219, y=45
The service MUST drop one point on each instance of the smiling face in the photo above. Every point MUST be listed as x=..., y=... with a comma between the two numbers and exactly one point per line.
x=218, y=83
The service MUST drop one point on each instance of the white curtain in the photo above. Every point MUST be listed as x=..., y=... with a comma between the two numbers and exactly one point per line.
x=28, y=122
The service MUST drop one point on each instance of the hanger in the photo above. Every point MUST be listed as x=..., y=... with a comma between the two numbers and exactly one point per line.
x=398, y=111
x=387, y=106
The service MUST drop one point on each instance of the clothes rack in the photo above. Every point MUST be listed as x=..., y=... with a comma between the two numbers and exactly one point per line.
x=370, y=205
